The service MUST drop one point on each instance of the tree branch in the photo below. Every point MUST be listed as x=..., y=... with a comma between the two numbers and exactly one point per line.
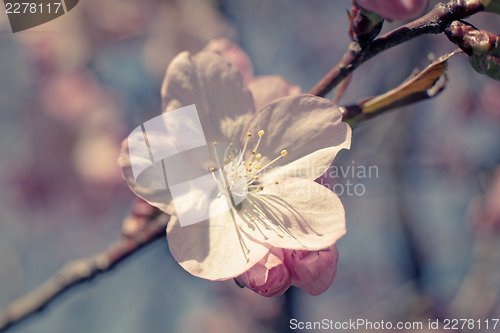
x=80, y=271
x=432, y=23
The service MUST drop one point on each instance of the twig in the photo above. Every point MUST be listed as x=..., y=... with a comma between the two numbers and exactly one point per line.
x=80, y=271
x=434, y=22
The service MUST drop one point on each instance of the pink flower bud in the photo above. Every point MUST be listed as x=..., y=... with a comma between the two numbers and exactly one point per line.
x=395, y=9
x=269, y=277
x=312, y=271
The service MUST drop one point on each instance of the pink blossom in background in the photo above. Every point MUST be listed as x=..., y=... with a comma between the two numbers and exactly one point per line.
x=395, y=9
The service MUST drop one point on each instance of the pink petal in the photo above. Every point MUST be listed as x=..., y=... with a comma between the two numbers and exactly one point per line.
x=211, y=249
x=266, y=89
x=313, y=271
x=232, y=53
x=294, y=214
x=319, y=286
x=302, y=125
x=269, y=277
x=216, y=87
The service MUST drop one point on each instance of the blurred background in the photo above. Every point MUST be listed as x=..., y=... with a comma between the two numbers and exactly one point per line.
x=422, y=240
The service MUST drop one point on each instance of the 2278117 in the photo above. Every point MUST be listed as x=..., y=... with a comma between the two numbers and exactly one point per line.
x=32, y=8
x=471, y=324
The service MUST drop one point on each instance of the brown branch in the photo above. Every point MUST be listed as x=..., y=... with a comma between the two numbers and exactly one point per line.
x=80, y=271
x=434, y=22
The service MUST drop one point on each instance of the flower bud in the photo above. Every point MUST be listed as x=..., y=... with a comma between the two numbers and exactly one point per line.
x=365, y=25
x=269, y=277
x=395, y=9
x=312, y=271
x=481, y=46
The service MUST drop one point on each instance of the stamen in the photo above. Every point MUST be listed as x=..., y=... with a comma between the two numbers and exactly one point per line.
x=282, y=154
x=245, y=146
x=261, y=133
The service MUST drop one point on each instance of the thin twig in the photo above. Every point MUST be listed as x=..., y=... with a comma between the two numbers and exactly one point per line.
x=432, y=23
x=81, y=270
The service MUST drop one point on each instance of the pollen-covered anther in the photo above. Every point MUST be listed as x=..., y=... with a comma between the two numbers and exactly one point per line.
x=259, y=187
x=249, y=163
x=260, y=133
x=276, y=182
x=214, y=144
x=256, y=166
x=284, y=153
x=212, y=169
x=249, y=134
x=249, y=169
x=258, y=156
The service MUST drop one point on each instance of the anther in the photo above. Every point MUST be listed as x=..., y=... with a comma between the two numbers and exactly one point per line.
x=212, y=169
x=256, y=166
x=284, y=153
x=261, y=133
x=258, y=156
x=249, y=134
x=215, y=144
x=276, y=182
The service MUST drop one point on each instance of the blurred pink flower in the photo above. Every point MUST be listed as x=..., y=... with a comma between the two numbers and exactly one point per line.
x=284, y=207
x=395, y=9
x=312, y=271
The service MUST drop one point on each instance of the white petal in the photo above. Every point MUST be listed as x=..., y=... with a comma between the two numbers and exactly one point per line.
x=298, y=213
x=310, y=129
x=216, y=87
x=211, y=249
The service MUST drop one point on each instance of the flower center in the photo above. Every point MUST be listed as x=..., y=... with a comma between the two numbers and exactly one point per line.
x=241, y=176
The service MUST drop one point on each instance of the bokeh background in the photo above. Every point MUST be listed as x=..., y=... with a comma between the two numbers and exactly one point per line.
x=422, y=241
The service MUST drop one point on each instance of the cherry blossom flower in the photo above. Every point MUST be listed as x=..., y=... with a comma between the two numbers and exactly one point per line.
x=281, y=150
x=395, y=9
